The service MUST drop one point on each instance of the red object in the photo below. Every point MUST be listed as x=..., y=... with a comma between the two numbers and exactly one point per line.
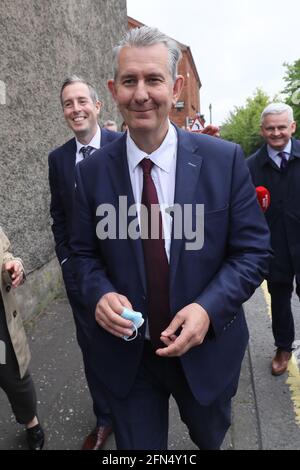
x=263, y=197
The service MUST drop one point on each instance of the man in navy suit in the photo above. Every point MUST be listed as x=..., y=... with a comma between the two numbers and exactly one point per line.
x=81, y=108
x=276, y=166
x=188, y=280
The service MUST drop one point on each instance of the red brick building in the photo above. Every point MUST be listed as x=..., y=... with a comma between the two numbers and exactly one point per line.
x=188, y=105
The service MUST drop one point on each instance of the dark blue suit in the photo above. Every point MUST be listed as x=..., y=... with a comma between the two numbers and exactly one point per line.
x=62, y=185
x=283, y=217
x=220, y=276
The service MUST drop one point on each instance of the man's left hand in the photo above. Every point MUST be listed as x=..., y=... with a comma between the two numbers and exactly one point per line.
x=194, y=321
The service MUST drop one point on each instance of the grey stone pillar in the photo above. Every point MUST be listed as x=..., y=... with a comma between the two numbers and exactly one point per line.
x=42, y=42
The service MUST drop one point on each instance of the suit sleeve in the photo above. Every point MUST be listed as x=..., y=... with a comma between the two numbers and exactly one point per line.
x=248, y=252
x=59, y=225
x=88, y=265
x=251, y=164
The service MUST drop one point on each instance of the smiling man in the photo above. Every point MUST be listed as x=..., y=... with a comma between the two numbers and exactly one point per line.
x=194, y=336
x=276, y=166
x=81, y=108
x=145, y=92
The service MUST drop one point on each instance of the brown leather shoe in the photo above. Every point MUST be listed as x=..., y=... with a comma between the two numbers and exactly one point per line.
x=96, y=439
x=280, y=361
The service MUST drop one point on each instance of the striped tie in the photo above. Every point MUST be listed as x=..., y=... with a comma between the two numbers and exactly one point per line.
x=284, y=160
x=86, y=151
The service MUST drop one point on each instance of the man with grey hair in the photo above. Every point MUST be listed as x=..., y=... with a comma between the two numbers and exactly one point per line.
x=194, y=333
x=276, y=167
x=81, y=108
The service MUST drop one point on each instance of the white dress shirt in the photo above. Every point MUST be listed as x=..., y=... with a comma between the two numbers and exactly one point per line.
x=95, y=143
x=273, y=154
x=163, y=174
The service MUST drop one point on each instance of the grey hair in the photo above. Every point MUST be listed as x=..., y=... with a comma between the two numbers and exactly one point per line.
x=145, y=37
x=76, y=79
x=277, y=108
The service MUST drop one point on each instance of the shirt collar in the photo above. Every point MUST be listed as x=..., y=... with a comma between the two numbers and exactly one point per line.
x=162, y=157
x=95, y=142
x=287, y=150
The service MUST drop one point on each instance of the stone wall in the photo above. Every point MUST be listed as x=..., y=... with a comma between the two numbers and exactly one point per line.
x=42, y=42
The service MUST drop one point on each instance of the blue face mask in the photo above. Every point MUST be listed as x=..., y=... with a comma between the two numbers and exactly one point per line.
x=136, y=318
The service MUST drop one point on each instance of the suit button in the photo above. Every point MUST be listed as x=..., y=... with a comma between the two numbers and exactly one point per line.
x=14, y=313
x=7, y=288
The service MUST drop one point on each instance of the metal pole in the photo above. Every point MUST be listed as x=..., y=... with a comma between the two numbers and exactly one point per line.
x=210, y=113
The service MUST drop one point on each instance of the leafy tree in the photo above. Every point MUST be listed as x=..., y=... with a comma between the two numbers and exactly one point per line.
x=243, y=124
x=292, y=90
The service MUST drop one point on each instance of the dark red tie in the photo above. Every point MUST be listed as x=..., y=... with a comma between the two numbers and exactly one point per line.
x=156, y=262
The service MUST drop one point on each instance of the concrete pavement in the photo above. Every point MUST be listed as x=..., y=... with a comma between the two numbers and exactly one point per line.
x=263, y=413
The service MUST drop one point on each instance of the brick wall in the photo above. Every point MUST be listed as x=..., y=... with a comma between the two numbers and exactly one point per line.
x=190, y=96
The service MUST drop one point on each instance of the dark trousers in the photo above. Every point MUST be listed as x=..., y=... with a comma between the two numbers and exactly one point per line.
x=140, y=420
x=83, y=325
x=20, y=392
x=282, y=316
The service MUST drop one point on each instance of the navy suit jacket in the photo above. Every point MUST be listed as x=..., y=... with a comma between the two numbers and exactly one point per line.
x=221, y=276
x=62, y=185
x=283, y=215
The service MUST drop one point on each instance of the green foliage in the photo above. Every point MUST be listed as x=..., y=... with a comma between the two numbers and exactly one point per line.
x=292, y=90
x=243, y=124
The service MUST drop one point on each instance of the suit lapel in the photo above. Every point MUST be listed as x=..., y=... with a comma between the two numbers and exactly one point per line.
x=69, y=166
x=104, y=137
x=108, y=136
x=295, y=148
x=264, y=159
x=119, y=174
x=189, y=162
